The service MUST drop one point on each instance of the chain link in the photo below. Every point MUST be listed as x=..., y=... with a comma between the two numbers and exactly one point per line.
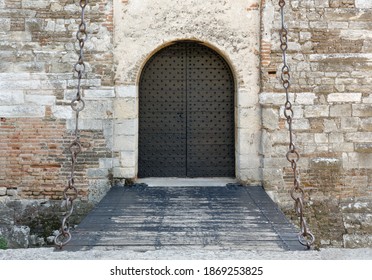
x=70, y=193
x=305, y=237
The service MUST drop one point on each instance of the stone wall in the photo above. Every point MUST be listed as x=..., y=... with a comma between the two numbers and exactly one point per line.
x=330, y=58
x=37, y=52
x=143, y=27
x=330, y=44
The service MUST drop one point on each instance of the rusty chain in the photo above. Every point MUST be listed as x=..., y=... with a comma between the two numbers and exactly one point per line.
x=305, y=237
x=77, y=104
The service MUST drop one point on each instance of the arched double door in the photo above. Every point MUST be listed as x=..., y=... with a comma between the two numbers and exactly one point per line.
x=186, y=114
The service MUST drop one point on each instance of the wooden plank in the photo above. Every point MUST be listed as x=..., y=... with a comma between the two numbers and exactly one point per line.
x=150, y=217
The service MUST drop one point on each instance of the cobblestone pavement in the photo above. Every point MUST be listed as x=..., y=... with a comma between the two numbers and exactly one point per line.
x=185, y=254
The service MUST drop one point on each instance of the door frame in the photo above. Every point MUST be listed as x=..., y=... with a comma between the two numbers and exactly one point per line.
x=233, y=91
x=244, y=65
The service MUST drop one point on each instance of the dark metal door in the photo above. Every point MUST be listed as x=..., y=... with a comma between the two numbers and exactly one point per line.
x=186, y=114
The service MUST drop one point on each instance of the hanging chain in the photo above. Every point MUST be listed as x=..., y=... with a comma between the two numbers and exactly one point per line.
x=70, y=193
x=305, y=237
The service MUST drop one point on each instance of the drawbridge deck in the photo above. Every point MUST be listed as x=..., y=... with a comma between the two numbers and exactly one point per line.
x=148, y=218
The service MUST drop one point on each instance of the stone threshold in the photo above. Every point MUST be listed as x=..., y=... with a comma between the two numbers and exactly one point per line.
x=187, y=182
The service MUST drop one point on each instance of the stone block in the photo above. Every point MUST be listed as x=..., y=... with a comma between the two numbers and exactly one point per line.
x=321, y=3
x=279, y=137
x=248, y=141
x=356, y=160
x=270, y=118
x=246, y=98
x=362, y=110
x=275, y=162
x=85, y=124
x=367, y=99
x=22, y=111
x=343, y=110
x=121, y=172
x=84, y=83
x=99, y=93
x=316, y=111
x=273, y=176
x=125, y=143
x=249, y=118
x=330, y=125
x=250, y=176
x=50, y=25
x=321, y=138
x=305, y=137
x=102, y=109
x=336, y=137
x=357, y=240
x=126, y=108
x=342, y=147
x=305, y=98
x=11, y=192
x=18, y=237
x=340, y=97
x=4, y=24
x=69, y=94
x=363, y=148
x=366, y=124
x=363, y=4
x=341, y=15
x=12, y=97
x=40, y=99
x=300, y=124
x=7, y=215
x=326, y=163
x=126, y=91
x=128, y=159
x=34, y=4
x=298, y=112
x=350, y=123
x=305, y=36
x=248, y=161
x=108, y=163
x=62, y=112
x=97, y=173
x=357, y=207
x=338, y=25
x=271, y=98
x=126, y=127
x=2, y=191
x=98, y=189
x=358, y=137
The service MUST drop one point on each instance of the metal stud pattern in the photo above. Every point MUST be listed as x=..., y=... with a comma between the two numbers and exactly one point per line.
x=186, y=114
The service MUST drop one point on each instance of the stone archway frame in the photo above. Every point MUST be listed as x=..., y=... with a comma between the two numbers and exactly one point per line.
x=135, y=44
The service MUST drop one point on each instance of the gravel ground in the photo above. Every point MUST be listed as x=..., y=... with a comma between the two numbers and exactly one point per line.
x=185, y=254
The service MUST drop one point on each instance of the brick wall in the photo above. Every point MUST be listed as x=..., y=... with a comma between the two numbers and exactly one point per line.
x=37, y=54
x=330, y=59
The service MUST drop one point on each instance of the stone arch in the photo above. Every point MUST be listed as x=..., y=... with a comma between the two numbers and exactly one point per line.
x=217, y=159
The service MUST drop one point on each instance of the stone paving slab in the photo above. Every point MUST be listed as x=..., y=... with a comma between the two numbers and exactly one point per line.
x=185, y=253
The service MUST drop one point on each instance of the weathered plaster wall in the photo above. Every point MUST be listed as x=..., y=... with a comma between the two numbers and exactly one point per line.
x=329, y=54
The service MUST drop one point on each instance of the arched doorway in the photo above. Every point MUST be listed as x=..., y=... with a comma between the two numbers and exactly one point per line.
x=186, y=114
